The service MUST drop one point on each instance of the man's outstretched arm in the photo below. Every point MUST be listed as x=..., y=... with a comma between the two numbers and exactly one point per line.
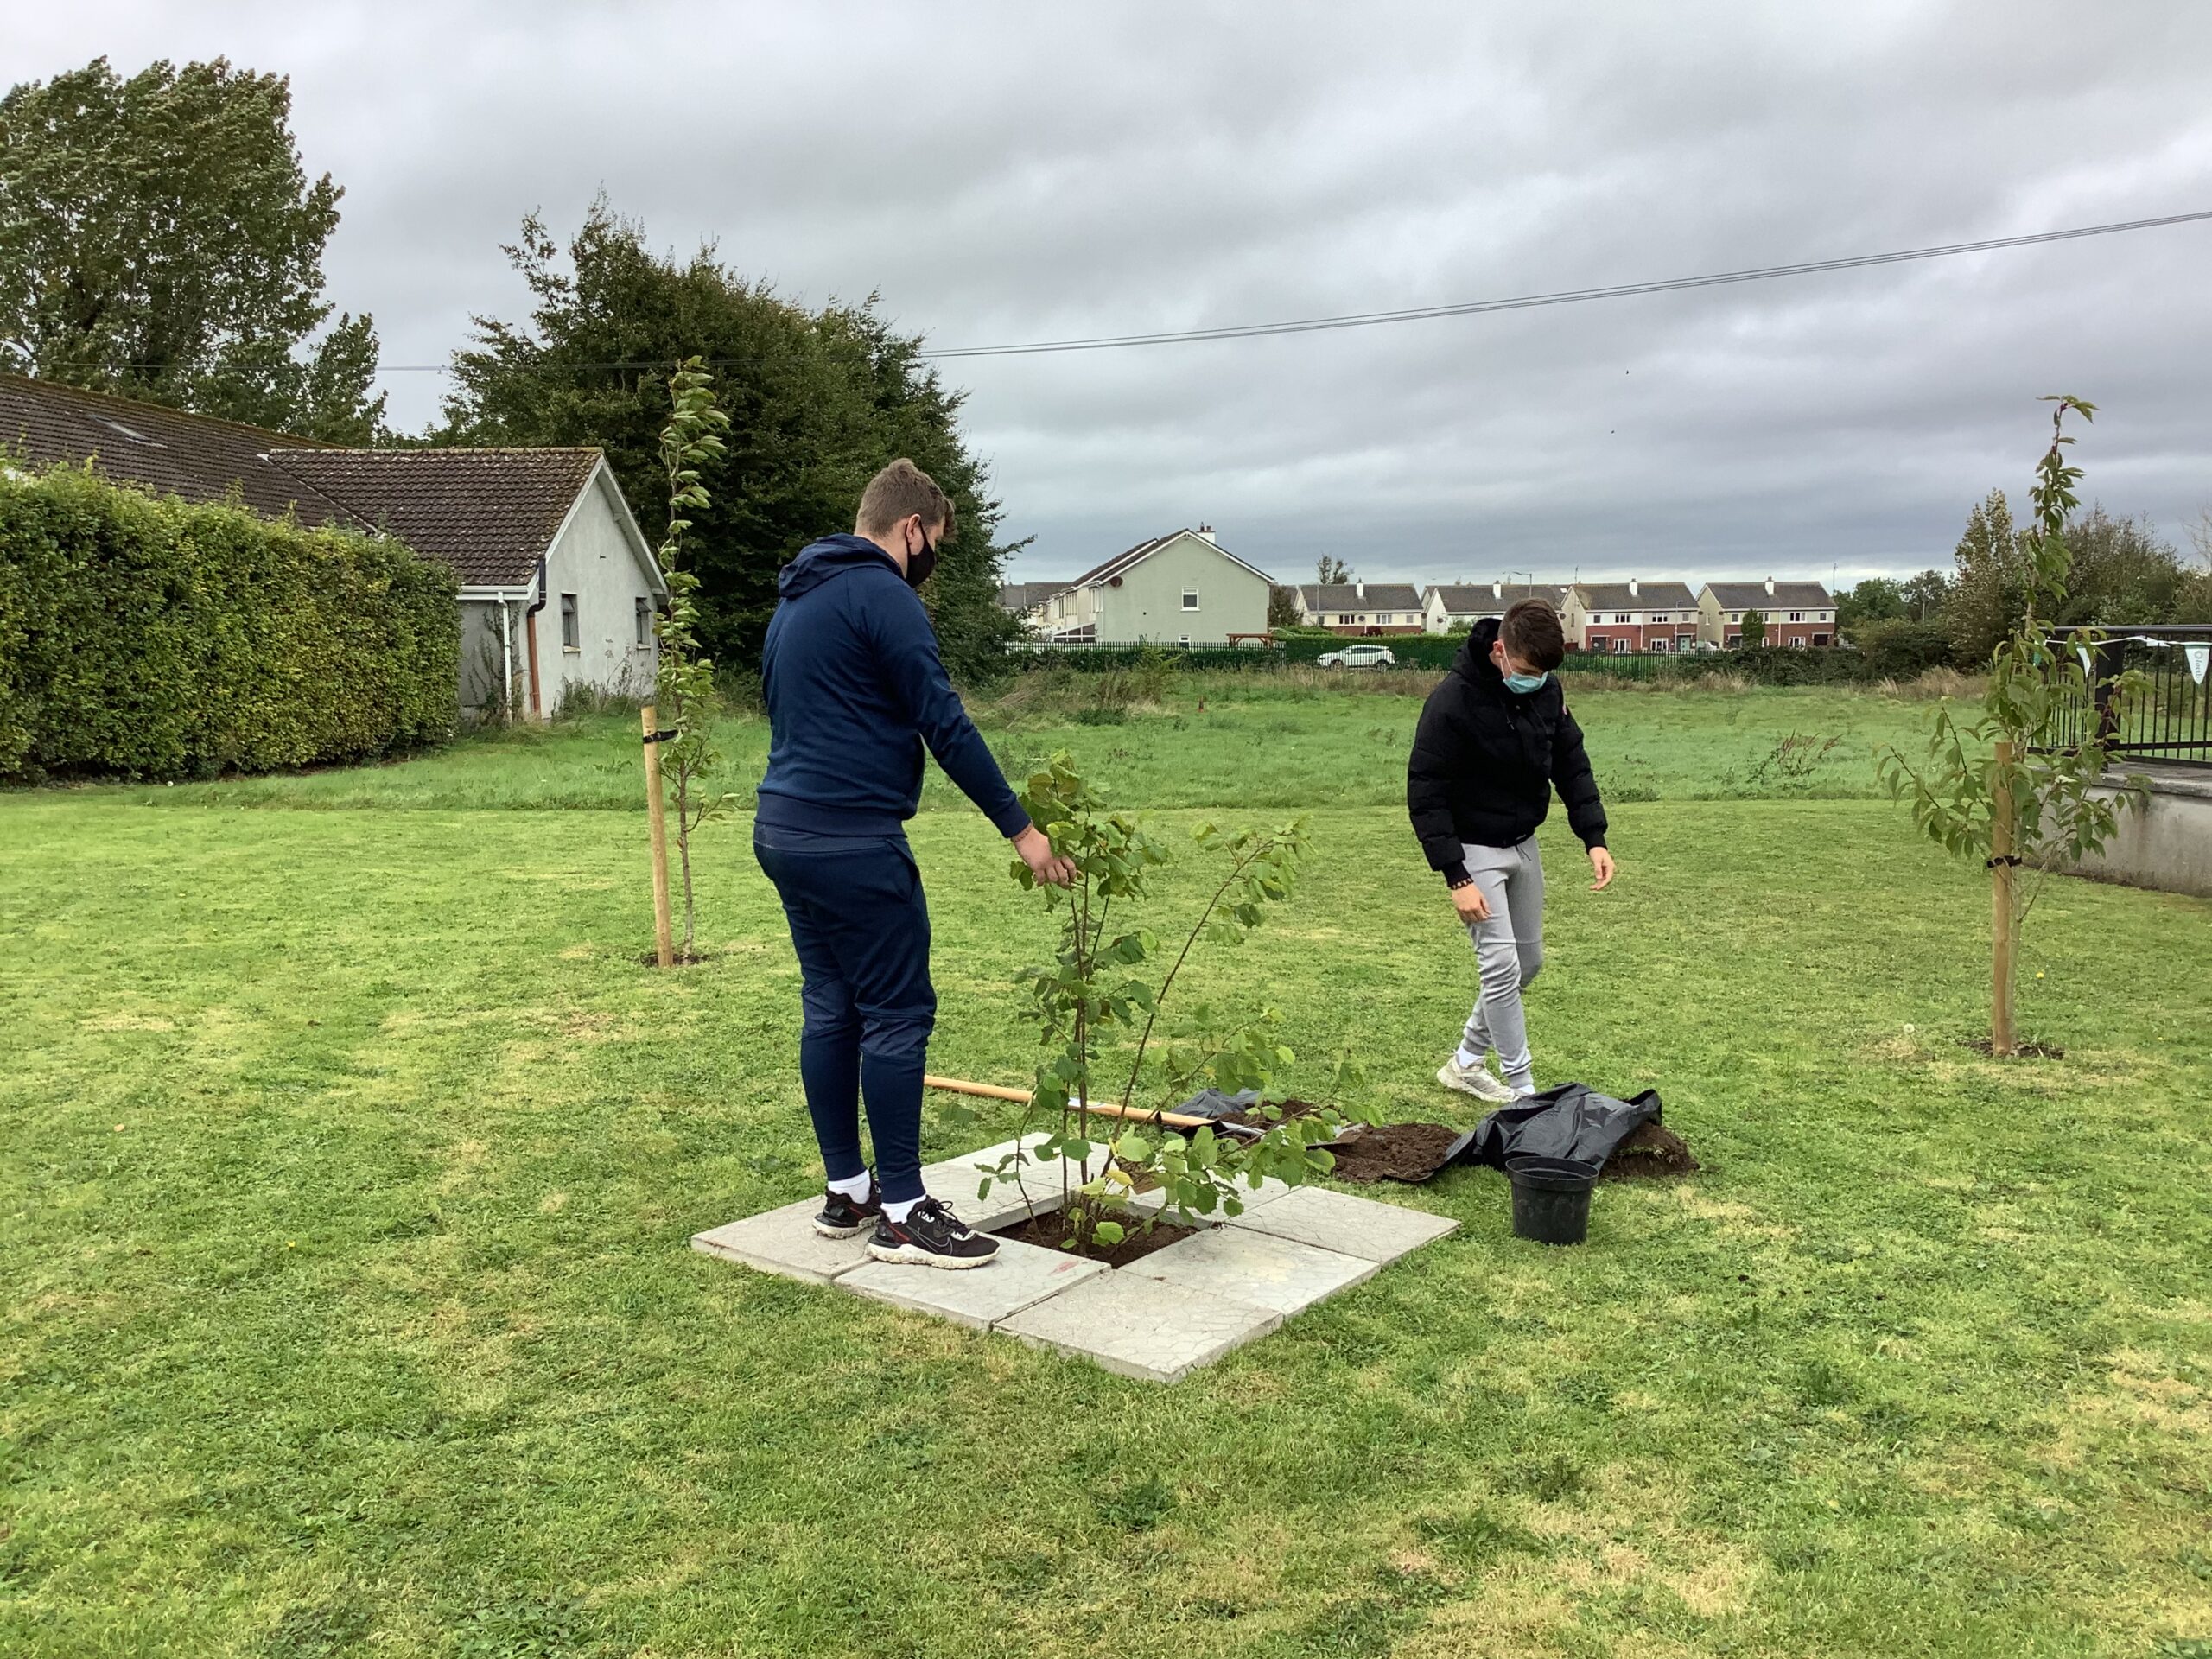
x=907, y=647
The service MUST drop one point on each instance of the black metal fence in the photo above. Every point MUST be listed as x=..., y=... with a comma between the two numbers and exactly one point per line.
x=2172, y=722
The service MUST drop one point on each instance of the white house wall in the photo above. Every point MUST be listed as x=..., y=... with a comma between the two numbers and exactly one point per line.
x=593, y=558
x=1148, y=605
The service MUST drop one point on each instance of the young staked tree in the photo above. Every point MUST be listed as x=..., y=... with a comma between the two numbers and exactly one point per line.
x=684, y=689
x=2022, y=783
x=159, y=239
x=1754, y=634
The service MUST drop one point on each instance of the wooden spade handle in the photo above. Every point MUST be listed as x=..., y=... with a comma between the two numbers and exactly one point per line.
x=993, y=1091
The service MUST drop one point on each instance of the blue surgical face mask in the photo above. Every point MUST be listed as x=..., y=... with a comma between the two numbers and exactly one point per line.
x=1524, y=683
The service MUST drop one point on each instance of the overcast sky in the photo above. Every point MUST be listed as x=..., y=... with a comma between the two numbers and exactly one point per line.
x=1017, y=172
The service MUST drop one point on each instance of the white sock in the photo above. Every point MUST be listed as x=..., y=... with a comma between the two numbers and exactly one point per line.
x=900, y=1210
x=853, y=1186
x=1469, y=1061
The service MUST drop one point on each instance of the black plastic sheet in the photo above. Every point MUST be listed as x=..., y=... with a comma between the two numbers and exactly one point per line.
x=1571, y=1121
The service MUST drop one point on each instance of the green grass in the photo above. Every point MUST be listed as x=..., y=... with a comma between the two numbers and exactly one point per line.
x=350, y=1159
x=1274, y=741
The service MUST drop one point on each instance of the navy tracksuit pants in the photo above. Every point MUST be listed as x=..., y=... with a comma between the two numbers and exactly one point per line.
x=862, y=930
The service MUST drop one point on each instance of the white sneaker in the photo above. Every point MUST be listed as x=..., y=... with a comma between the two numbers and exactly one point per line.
x=1475, y=1080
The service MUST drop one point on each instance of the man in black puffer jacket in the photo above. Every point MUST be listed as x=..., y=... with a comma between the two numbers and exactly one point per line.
x=1495, y=738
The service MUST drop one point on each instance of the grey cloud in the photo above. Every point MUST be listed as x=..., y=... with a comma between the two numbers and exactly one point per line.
x=1003, y=172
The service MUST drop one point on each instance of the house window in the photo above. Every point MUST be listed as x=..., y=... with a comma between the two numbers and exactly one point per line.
x=1620, y=647
x=1796, y=616
x=1190, y=598
x=1656, y=644
x=645, y=621
x=571, y=638
x=1343, y=621
x=1183, y=641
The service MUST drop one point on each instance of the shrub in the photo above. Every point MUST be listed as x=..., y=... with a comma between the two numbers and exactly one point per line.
x=1902, y=650
x=150, y=638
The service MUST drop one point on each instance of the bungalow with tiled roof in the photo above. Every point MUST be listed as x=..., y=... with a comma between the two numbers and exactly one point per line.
x=525, y=531
x=1183, y=588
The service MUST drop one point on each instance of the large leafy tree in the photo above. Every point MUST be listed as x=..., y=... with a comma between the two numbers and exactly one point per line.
x=817, y=401
x=159, y=239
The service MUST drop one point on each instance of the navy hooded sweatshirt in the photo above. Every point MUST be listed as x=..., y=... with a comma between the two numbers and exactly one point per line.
x=855, y=689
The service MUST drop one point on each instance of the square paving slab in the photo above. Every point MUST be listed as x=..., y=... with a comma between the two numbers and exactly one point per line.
x=1241, y=1265
x=1350, y=1226
x=1145, y=1328
x=783, y=1241
x=1019, y=1276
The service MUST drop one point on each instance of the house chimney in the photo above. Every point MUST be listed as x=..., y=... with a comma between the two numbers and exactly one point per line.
x=1769, y=587
x=1206, y=530
x=1497, y=590
x=1359, y=590
x=1631, y=587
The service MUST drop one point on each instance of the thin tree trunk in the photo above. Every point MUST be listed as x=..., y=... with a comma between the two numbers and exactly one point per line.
x=2001, y=870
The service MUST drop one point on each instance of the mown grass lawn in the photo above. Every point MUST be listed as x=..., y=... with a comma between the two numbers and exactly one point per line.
x=350, y=1160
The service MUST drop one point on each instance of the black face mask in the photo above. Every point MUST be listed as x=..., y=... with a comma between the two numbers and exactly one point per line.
x=919, y=565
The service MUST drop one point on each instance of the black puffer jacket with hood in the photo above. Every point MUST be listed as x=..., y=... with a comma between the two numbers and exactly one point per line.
x=1485, y=761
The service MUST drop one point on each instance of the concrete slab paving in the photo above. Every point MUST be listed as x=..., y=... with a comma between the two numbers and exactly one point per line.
x=1145, y=1328
x=1020, y=1276
x=1241, y=1265
x=784, y=1242
x=1350, y=1226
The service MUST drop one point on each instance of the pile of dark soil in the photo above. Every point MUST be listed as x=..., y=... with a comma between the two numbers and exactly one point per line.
x=1393, y=1151
x=1651, y=1152
x=1050, y=1230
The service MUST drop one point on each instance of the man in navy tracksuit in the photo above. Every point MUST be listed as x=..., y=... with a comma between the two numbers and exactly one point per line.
x=854, y=690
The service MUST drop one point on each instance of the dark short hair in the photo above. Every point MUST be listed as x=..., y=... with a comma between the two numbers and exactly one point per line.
x=901, y=491
x=1531, y=632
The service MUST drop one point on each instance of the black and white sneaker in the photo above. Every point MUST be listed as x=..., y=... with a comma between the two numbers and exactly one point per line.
x=842, y=1217
x=930, y=1237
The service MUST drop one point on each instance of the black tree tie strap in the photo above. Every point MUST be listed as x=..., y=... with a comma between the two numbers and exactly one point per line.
x=669, y=736
x=2003, y=858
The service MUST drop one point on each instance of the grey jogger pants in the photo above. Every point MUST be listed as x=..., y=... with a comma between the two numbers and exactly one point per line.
x=1508, y=953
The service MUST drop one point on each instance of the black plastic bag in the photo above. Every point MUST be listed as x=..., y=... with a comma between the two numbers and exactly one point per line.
x=1571, y=1121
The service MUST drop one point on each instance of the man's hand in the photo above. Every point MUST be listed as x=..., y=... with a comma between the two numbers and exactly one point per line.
x=1470, y=904
x=1045, y=864
x=1601, y=865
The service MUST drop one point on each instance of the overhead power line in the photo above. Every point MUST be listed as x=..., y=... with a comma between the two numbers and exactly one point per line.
x=1564, y=296
x=1466, y=309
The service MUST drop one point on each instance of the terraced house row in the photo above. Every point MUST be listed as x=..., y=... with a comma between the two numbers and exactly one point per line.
x=1614, y=616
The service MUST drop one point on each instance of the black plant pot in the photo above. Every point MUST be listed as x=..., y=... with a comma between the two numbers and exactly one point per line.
x=1551, y=1198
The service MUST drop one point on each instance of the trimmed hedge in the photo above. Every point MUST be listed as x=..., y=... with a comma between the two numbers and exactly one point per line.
x=148, y=638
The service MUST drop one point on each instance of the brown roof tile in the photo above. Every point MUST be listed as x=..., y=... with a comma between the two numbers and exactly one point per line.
x=162, y=450
x=489, y=513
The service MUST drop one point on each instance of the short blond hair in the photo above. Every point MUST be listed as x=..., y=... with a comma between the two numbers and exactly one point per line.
x=901, y=491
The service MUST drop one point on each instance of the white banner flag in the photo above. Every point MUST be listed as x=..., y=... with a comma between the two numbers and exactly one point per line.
x=2198, y=656
x=2082, y=652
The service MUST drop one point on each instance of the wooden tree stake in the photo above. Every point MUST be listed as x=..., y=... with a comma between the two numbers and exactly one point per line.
x=657, y=822
x=2001, y=869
